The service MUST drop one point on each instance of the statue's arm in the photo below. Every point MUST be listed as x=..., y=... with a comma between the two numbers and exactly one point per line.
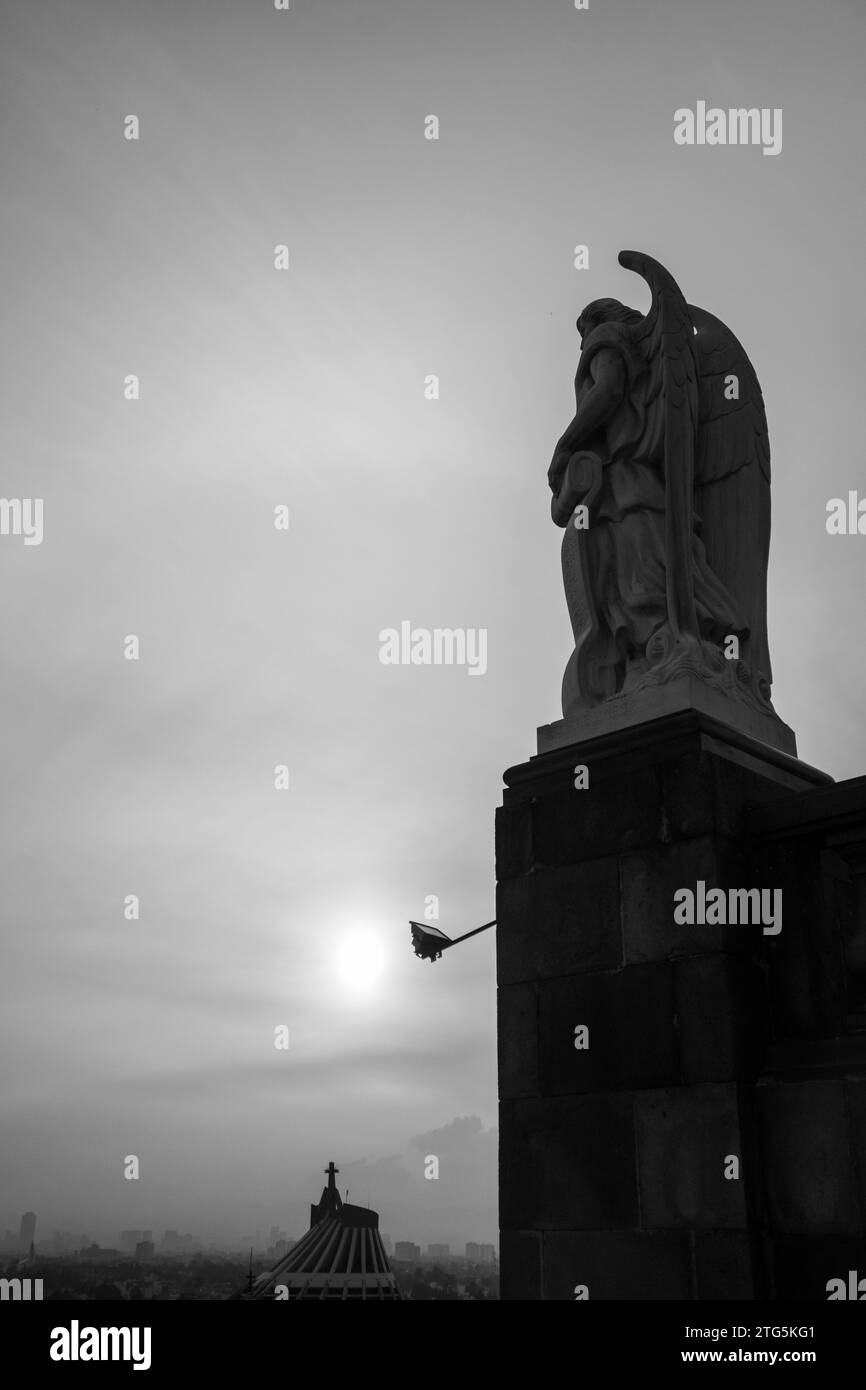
x=595, y=409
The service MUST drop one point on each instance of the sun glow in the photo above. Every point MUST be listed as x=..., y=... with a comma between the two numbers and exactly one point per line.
x=360, y=961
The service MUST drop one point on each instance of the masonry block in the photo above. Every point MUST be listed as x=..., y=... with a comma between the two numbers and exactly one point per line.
x=567, y=1162
x=804, y=1265
x=649, y=880
x=514, y=854
x=517, y=1039
x=855, y=1098
x=559, y=922
x=620, y=810
x=520, y=1263
x=703, y=793
x=805, y=967
x=721, y=1007
x=685, y=1135
x=632, y=1036
x=726, y=1266
x=618, y=1264
x=808, y=1158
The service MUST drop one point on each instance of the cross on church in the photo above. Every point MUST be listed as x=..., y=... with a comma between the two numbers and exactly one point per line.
x=331, y=1172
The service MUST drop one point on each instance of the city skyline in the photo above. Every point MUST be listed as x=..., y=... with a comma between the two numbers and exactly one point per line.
x=204, y=1240
x=188, y=1245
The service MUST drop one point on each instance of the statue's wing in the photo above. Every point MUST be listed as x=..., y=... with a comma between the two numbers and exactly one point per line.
x=732, y=478
x=732, y=434
x=665, y=340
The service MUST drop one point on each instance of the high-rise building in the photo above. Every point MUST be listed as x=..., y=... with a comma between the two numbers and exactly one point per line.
x=341, y=1256
x=488, y=1254
x=27, y=1234
x=480, y=1254
x=438, y=1251
x=406, y=1250
x=129, y=1240
x=173, y=1243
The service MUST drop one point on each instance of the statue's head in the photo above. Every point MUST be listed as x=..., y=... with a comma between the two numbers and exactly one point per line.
x=605, y=311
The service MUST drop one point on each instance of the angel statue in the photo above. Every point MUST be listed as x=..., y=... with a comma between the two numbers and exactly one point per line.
x=665, y=474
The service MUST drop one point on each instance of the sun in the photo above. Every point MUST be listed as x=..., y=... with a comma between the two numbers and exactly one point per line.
x=360, y=961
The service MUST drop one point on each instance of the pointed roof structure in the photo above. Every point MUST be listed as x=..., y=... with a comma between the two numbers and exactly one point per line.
x=341, y=1256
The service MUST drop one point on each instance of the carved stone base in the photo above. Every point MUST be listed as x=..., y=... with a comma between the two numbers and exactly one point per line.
x=654, y=702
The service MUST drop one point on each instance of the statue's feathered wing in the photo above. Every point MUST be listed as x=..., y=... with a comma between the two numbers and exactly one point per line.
x=666, y=342
x=732, y=478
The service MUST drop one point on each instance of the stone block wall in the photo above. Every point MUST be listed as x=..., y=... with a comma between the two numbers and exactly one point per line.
x=613, y=1157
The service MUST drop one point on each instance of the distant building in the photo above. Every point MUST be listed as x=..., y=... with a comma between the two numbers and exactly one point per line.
x=144, y=1250
x=130, y=1239
x=405, y=1250
x=438, y=1252
x=480, y=1254
x=27, y=1234
x=173, y=1243
x=340, y=1257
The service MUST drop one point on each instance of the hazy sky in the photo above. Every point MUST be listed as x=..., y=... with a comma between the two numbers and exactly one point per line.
x=306, y=387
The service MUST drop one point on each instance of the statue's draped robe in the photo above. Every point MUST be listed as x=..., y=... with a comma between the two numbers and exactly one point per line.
x=622, y=555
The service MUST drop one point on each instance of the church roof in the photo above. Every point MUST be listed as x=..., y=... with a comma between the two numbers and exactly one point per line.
x=341, y=1256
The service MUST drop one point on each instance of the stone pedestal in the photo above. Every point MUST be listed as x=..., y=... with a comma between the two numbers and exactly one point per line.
x=652, y=703
x=705, y=1042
